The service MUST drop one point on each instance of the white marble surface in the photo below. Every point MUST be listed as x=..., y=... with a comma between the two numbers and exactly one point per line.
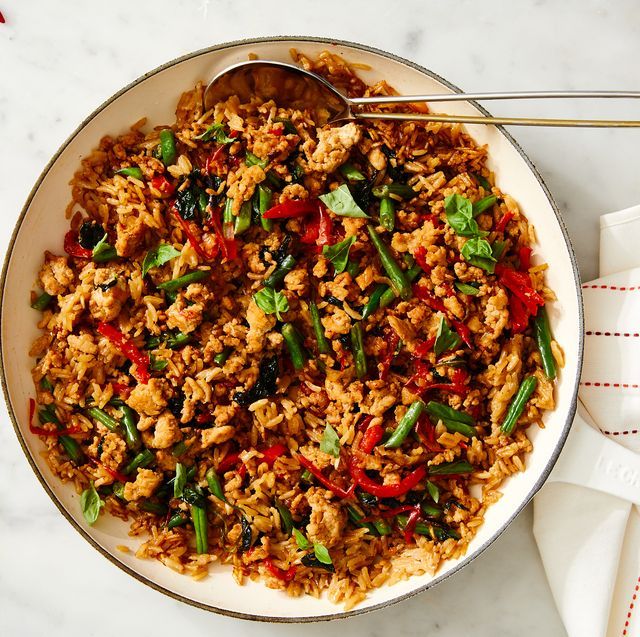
x=60, y=60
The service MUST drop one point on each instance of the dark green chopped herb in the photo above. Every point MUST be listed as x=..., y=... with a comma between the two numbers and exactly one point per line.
x=266, y=384
x=246, y=536
x=434, y=491
x=311, y=561
x=321, y=553
x=103, y=252
x=253, y=160
x=289, y=128
x=180, y=480
x=301, y=540
x=353, y=269
x=286, y=520
x=153, y=507
x=46, y=384
x=482, y=181
x=179, y=449
x=90, y=234
x=459, y=211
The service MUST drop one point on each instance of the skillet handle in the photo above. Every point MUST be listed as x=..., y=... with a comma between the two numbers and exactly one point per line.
x=592, y=460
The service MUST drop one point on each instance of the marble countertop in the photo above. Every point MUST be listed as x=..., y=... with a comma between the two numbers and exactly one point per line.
x=61, y=60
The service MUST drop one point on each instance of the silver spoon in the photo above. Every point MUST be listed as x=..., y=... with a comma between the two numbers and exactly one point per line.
x=292, y=86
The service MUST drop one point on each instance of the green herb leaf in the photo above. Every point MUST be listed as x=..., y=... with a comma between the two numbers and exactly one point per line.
x=103, y=251
x=253, y=160
x=480, y=206
x=467, y=288
x=301, y=540
x=460, y=216
x=157, y=364
x=321, y=553
x=478, y=252
x=130, y=171
x=330, y=442
x=338, y=253
x=90, y=504
x=158, y=256
x=434, y=492
x=341, y=202
x=445, y=338
x=350, y=172
x=271, y=302
x=497, y=248
x=180, y=480
x=286, y=520
x=217, y=133
x=289, y=128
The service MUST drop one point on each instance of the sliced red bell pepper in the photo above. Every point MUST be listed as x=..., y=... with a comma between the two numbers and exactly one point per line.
x=278, y=132
x=361, y=479
x=463, y=332
x=128, y=349
x=228, y=462
x=318, y=227
x=271, y=454
x=412, y=521
x=216, y=153
x=389, y=355
x=519, y=315
x=364, y=423
x=524, y=254
x=121, y=389
x=292, y=208
x=372, y=436
x=427, y=433
x=73, y=248
x=193, y=240
x=422, y=350
x=502, y=223
x=229, y=247
x=433, y=302
x=324, y=481
x=285, y=576
x=41, y=431
x=420, y=255
x=519, y=284
x=162, y=184
x=116, y=475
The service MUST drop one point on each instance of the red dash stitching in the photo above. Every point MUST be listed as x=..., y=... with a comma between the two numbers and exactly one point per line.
x=618, y=288
x=627, y=432
x=627, y=334
x=631, y=605
x=588, y=383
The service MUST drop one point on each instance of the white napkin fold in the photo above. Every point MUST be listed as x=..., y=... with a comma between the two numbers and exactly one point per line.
x=589, y=540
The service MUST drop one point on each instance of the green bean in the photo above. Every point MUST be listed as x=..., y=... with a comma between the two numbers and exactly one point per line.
x=387, y=213
x=452, y=419
x=253, y=160
x=357, y=347
x=450, y=468
x=131, y=433
x=306, y=476
x=42, y=302
x=179, y=449
x=220, y=358
x=323, y=342
x=104, y=418
x=430, y=510
x=400, y=190
x=167, y=146
x=243, y=219
x=352, y=268
x=177, y=519
x=69, y=444
x=46, y=384
x=374, y=300
x=355, y=516
x=405, y=425
x=184, y=280
x=143, y=459
x=398, y=278
x=264, y=201
x=179, y=480
x=174, y=341
x=227, y=213
x=294, y=345
x=286, y=519
x=153, y=507
x=277, y=276
x=118, y=490
x=543, y=337
x=131, y=171
x=517, y=404
x=215, y=486
x=200, y=526
x=389, y=295
x=382, y=527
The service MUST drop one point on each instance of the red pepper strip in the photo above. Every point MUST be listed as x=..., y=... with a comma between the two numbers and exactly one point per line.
x=197, y=246
x=2, y=20
x=385, y=490
x=325, y=226
x=203, y=418
x=229, y=247
x=519, y=315
x=41, y=431
x=524, y=253
x=292, y=208
x=277, y=131
x=391, y=513
x=463, y=332
x=362, y=426
x=519, y=284
x=324, y=481
x=212, y=158
x=161, y=183
x=422, y=350
x=434, y=303
x=271, y=454
x=389, y=355
x=502, y=224
x=114, y=474
x=285, y=576
x=427, y=433
x=72, y=247
x=420, y=256
x=228, y=462
x=412, y=521
x=129, y=349
x=372, y=436
x=121, y=389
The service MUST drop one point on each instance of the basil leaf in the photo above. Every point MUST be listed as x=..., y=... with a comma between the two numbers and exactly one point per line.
x=158, y=256
x=289, y=128
x=131, y=171
x=497, y=248
x=460, y=216
x=445, y=338
x=90, y=503
x=483, y=204
x=321, y=553
x=341, y=202
x=180, y=480
x=478, y=252
x=434, y=492
x=350, y=172
x=271, y=302
x=216, y=132
x=467, y=288
x=103, y=251
x=90, y=234
x=187, y=202
x=312, y=561
x=301, y=540
x=157, y=364
x=338, y=253
x=330, y=442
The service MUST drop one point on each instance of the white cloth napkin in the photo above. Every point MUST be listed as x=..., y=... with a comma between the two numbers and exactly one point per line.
x=589, y=540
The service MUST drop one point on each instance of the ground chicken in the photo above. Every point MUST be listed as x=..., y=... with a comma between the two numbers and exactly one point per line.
x=109, y=294
x=333, y=147
x=167, y=431
x=327, y=521
x=242, y=189
x=336, y=321
x=129, y=235
x=55, y=275
x=182, y=317
x=149, y=399
x=145, y=484
x=259, y=324
x=377, y=159
x=496, y=317
x=293, y=191
x=424, y=236
x=217, y=435
x=403, y=329
x=297, y=281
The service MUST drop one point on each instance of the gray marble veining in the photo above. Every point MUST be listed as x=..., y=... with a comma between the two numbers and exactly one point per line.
x=60, y=60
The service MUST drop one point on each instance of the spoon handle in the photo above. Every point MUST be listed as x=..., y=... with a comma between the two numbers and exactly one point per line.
x=521, y=95
x=509, y=121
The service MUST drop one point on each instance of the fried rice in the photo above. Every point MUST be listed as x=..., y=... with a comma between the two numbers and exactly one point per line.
x=269, y=411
